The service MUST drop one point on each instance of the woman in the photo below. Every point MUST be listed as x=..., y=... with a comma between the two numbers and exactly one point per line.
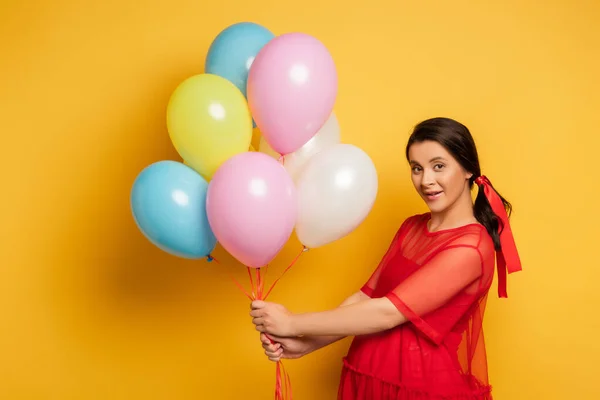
x=417, y=321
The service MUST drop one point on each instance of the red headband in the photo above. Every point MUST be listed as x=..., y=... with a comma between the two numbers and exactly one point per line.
x=507, y=259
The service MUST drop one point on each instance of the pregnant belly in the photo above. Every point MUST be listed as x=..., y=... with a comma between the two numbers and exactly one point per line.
x=403, y=356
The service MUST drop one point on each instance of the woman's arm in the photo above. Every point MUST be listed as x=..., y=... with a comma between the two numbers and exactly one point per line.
x=320, y=341
x=366, y=317
x=359, y=318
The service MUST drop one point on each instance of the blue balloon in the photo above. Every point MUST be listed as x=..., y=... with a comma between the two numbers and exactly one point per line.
x=232, y=52
x=168, y=201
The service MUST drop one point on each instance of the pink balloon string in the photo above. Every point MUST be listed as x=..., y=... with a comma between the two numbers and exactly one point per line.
x=235, y=281
x=251, y=282
x=283, y=385
x=304, y=249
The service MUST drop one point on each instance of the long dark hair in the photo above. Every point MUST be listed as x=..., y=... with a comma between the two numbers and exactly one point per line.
x=457, y=139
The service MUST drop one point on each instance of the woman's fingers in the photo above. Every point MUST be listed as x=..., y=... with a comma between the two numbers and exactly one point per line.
x=273, y=350
x=271, y=346
x=268, y=344
x=264, y=338
x=274, y=355
x=270, y=338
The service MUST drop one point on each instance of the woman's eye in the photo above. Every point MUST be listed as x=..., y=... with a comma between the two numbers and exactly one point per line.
x=438, y=166
x=416, y=169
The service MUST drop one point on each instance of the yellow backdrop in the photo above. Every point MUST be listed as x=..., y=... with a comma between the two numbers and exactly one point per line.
x=91, y=310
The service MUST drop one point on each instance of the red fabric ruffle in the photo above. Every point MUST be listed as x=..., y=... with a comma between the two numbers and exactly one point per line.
x=358, y=385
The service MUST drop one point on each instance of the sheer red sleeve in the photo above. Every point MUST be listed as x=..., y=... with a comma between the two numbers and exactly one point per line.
x=449, y=278
x=371, y=284
x=393, y=248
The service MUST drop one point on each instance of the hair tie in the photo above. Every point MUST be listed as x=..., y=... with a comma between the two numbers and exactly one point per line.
x=507, y=258
x=482, y=180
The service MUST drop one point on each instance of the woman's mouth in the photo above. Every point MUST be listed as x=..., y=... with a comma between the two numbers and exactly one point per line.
x=431, y=196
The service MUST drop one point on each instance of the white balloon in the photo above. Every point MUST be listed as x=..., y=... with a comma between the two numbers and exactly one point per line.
x=336, y=191
x=327, y=136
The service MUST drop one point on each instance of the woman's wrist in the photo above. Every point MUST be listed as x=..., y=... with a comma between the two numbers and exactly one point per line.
x=294, y=328
x=317, y=342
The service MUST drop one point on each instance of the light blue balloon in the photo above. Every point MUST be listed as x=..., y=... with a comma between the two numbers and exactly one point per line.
x=168, y=202
x=232, y=52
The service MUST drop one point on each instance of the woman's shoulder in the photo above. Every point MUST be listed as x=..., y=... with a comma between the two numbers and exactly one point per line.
x=415, y=219
x=475, y=236
x=407, y=225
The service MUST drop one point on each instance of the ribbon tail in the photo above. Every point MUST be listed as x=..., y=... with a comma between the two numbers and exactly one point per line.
x=507, y=259
x=501, y=264
x=509, y=250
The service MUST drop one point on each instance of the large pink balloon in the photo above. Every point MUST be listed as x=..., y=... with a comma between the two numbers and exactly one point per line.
x=252, y=206
x=292, y=86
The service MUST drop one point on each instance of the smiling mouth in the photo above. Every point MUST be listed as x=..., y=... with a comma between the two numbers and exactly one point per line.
x=433, y=195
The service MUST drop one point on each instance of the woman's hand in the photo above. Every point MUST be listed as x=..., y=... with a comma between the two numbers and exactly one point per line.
x=272, y=318
x=277, y=347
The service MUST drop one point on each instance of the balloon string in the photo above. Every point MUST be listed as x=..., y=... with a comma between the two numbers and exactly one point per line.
x=235, y=281
x=278, y=394
x=264, y=279
x=304, y=249
x=283, y=385
x=261, y=283
x=286, y=387
x=288, y=384
x=251, y=283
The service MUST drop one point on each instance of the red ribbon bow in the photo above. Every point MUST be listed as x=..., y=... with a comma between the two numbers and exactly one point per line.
x=507, y=259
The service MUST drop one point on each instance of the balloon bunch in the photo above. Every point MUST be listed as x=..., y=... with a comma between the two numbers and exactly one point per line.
x=302, y=177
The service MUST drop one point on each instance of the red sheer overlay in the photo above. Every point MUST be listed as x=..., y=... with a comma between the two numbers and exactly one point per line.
x=439, y=281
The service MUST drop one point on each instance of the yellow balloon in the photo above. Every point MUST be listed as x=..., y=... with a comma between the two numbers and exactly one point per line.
x=209, y=121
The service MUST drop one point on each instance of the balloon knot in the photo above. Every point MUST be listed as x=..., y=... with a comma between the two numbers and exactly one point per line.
x=209, y=258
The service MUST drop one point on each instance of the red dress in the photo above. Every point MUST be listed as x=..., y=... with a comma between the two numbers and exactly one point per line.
x=439, y=281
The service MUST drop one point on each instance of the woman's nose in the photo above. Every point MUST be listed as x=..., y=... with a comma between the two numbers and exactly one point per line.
x=428, y=178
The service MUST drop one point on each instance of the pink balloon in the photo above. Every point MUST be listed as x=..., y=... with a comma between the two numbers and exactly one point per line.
x=251, y=205
x=292, y=86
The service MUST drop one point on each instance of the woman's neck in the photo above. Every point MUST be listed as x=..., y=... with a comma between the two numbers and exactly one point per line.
x=456, y=215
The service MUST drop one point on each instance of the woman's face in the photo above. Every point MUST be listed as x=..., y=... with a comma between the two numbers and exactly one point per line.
x=438, y=178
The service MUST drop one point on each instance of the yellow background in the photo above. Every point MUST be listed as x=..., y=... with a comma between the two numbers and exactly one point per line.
x=91, y=310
